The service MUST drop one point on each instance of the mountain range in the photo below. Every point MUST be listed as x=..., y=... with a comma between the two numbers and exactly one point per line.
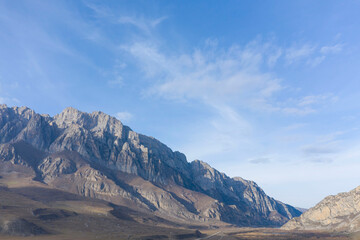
x=94, y=155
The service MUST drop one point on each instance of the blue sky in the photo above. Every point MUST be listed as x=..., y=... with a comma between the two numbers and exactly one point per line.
x=265, y=90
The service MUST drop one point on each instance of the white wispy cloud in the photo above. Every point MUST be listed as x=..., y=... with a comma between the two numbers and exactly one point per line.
x=146, y=25
x=273, y=58
x=313, y=62
x=312, y=54
x=233, y=76
x=302, y=106
x=295, y=126
x=115, y=74
x=40, y=49
x=332, y=49
x=124, y=116
x=212, y=76
x=330, y=147
x=319, y=149
x=322, y=160
x=226, y=80
x=317, y=99
x=260, y=160
x=117, y=82
x=295, y=53
x=5, y=97
x=9, y=100
x=300, y=111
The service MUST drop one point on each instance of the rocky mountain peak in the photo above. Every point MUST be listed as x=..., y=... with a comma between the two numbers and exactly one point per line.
x=105, y=122
x=240, y=179
x=71, y=110
x=64, y=148
x=70, y=116
x=23, y=111
x=96, y=122
x=205, y=170
x=201, y=164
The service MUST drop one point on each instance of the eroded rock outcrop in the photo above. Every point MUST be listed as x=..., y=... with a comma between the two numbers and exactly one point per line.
x=335, y=213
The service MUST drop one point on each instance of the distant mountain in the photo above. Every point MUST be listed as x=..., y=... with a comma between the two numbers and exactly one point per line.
x=301, y=209
x=95, y=155
x=334, y=213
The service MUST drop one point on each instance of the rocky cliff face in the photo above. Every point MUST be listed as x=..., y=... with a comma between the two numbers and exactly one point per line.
x=335, y=213
x=94, y=155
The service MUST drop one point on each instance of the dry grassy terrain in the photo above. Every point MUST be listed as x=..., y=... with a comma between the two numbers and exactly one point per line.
x=156, y=233
x=38, y=212
x=271, y=233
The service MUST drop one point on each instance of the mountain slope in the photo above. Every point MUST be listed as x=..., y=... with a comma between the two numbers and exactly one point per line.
x=36, y=211
x=335, y=213
x=93, y=154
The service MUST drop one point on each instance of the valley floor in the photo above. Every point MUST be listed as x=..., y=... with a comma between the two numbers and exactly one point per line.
x=31, y=211
x=219, y=234
x=274, y=233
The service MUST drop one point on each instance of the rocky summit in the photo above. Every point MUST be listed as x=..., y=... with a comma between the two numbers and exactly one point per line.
x=95, y=155
x=335, y=213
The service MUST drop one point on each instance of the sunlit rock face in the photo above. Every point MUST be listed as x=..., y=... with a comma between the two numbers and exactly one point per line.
x=95, y=155
x=335, y=213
